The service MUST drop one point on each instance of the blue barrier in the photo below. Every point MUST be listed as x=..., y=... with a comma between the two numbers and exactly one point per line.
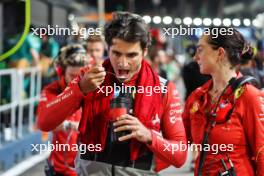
x=16, y=151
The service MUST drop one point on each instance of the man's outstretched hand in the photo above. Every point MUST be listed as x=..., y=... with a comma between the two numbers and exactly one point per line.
x=92, y=78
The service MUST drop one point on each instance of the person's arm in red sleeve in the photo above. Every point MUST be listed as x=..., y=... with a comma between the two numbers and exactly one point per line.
x=186, y=120
x=253, y=122
x=167, y=146
x=54, y=109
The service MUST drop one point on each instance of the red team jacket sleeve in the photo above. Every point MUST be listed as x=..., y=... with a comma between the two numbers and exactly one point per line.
x=53, y=109
x=167, y=146
x=186, y=120
x=253, y=122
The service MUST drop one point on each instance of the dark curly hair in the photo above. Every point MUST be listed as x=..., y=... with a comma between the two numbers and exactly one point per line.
x=128, y=27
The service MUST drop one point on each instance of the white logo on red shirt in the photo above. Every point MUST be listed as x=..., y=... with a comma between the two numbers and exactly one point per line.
x=155, y=119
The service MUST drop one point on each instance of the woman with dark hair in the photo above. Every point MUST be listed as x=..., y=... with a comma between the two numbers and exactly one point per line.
x=225, y=116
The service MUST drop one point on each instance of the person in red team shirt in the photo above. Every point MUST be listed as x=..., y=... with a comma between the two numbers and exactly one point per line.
x=233, y=116
x=142, y=150
x=68, y=64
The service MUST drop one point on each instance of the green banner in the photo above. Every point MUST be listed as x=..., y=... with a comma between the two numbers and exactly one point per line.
x=24, y=35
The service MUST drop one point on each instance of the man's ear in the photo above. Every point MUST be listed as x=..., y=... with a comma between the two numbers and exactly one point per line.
x=145, y=52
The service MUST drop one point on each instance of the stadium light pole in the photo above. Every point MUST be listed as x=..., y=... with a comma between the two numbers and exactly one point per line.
x=101, y=12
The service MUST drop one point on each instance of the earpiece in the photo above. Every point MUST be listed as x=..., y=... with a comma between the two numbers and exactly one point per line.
x=224, y=108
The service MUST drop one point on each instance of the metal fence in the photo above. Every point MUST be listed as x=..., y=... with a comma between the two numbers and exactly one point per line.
x=21, y=90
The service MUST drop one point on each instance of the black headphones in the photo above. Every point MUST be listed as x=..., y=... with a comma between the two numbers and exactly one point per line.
x=243, y=80
x=224, y=109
